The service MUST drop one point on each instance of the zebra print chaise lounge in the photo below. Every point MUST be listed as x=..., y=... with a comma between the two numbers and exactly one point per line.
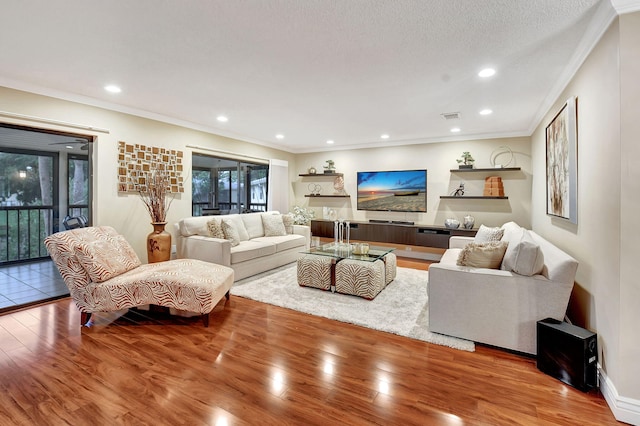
x=104, y=274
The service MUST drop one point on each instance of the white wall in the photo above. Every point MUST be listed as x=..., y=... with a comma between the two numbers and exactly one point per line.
x=606, y=295
x=125, y=212
x=438, y=159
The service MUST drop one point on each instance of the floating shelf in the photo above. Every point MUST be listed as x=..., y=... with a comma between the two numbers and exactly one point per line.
x=473, y=197
x=491, y=169
x=319, y=174
x=327, y=196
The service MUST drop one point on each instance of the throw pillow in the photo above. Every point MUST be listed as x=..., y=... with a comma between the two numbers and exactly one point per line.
x=107, y=257
x=215, y=229
x=524, y=256
x=485, y=255
x=230, y=232
x=238, y=223
x=486, y=234
x=288, y=221
x=273, y=225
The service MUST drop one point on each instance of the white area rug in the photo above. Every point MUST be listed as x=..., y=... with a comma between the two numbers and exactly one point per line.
x=401, y=308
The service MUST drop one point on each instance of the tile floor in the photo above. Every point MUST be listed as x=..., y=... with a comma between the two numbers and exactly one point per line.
x=28, y=283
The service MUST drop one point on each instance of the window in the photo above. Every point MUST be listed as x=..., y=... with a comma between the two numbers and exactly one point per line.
x=223, y=186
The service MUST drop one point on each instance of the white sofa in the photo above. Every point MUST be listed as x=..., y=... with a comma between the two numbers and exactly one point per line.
x=495, y=306
x=256, y=252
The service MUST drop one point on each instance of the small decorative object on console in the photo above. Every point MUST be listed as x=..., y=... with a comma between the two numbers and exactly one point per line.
x=466, y=162
x=468, y=222
x=451, y=223
x=312, y=170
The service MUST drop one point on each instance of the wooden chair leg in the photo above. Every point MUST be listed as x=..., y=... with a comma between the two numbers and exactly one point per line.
x=205, y=320
x=85, y=318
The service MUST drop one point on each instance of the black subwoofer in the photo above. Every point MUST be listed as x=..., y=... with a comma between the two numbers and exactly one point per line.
x=568, y=353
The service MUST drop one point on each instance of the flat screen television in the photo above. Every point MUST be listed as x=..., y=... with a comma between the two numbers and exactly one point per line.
x=393, y=191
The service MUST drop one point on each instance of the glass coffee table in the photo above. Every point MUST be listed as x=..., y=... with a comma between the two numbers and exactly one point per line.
x=350, y=269
x=356, y=251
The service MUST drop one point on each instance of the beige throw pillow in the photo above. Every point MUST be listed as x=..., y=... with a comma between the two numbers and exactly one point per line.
x=273, y=225
x=486, y=234
x=485, y=255
x=523, y=256
x=288, y=221
x=230, y=232
x=215, y=229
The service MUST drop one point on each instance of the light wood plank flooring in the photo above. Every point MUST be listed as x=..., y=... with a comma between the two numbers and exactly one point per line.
x=260, y=365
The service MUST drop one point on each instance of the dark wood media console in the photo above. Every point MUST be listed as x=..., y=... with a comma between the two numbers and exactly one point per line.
x=393, y=233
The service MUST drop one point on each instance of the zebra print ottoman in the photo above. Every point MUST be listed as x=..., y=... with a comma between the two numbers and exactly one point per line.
x=360, y=278
x=390, y=267
x=315, y=271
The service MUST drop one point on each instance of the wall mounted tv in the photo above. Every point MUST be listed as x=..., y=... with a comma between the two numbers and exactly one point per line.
x=393, y=191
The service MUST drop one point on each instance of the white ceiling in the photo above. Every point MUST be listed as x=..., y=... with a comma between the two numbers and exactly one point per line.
x=313, y=70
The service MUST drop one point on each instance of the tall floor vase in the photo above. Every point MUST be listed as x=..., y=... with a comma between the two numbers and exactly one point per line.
x=158, y=243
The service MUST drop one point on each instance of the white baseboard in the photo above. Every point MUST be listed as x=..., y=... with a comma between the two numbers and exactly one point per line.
x=624, y=409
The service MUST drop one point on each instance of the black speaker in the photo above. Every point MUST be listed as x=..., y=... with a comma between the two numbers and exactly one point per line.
x=568, y=353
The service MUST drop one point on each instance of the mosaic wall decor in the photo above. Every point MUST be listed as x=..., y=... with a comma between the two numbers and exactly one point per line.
x=136, y=163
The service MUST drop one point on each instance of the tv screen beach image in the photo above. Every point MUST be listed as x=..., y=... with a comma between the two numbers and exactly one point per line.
x=401, y=190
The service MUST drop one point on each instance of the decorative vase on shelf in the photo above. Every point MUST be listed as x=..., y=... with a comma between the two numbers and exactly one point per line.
x=452, y=223
x=468, y=222
x=158, y=243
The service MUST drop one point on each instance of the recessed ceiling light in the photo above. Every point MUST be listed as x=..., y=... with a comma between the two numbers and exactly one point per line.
x=329, y=141
x=68, y=147
x=279, y=136
x=222, y=118
x=487, y=72
x=455, y=129
x=486, y=111
x=385, y=136
x=112, y=88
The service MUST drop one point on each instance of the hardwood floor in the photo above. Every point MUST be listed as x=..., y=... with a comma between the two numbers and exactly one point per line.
x=260, y=364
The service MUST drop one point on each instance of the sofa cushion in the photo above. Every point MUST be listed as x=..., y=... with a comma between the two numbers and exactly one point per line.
x=252, y=249
x=523, y=256
x=196, y=225
x=273, y=225
x=230, y=232
x=512, y=232
x=215, y=228
x=485, y=255
x=486, y=234
x=253, y=224
x=106, y=257
x=285, y=242
x=236, y=221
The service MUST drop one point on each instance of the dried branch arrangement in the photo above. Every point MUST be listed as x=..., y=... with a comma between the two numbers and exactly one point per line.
x=154, y=190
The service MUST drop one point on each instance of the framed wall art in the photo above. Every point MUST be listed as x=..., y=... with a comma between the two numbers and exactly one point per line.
x=137, y=162
x=562, y=163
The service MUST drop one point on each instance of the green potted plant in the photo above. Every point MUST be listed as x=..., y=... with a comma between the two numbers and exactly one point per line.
x=330, y=167
x=466, y=161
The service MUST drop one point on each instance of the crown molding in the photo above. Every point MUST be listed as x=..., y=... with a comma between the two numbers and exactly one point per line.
x=625, y=6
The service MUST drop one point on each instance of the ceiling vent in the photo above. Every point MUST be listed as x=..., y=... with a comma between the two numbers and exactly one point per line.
x=451, y=115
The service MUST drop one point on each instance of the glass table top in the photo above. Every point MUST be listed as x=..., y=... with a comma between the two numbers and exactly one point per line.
x=357, y=251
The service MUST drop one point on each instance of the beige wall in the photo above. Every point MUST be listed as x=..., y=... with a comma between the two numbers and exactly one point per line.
x=438, y=159
x=605, y=239
x=628, y=383
x=125, y=212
